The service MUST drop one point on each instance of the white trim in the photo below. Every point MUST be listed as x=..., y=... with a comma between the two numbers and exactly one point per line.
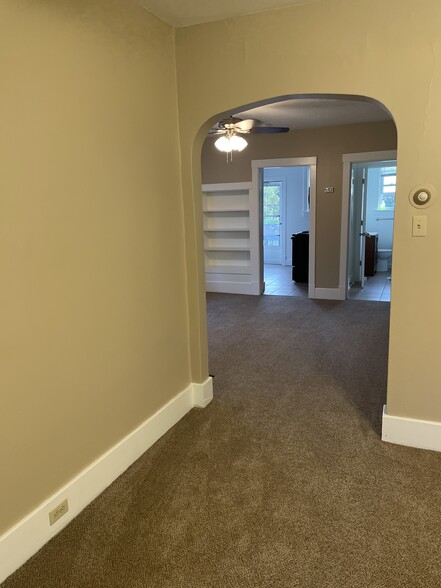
x=226, y=287
x=256, y=227
x=256, y=240
x=229, y=186
x=348, y=159
x=312, y=216
x=285, y=162
x=370, y=156
x=329, y=293
x=411, y=432
x=20, y=542
x=203, y=393
x=344, y=225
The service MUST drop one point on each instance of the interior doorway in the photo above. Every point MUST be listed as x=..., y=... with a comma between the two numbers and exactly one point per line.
x=371, y=204
x=286, y=210
x=286, y=192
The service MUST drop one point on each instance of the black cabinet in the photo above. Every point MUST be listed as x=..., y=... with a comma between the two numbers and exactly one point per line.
x=370, y=255
x=300, y=256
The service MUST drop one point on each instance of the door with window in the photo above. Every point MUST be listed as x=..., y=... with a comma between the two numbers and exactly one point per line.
x=371, y=208
x=273, y=238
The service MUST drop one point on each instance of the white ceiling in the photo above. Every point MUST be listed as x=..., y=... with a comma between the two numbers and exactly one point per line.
x=183, y=13
x=309, y=113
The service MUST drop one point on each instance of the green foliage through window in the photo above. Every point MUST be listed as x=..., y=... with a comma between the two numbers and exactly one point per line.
x=388, y=187
x=271, y=214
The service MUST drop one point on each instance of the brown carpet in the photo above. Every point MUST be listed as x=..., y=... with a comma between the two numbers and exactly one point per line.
x=282, y=481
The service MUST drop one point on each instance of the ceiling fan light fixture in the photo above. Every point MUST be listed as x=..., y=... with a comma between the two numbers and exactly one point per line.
x=238, y=143
x=224, y=144
x=230, y=142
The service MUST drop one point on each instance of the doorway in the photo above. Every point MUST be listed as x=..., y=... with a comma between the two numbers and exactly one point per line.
x=285, y=213
x=371, y=203
x=286, y=192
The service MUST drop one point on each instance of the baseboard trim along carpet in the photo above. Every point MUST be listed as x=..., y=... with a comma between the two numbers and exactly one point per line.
x=20, y=542
x=250, y=288
x=329, y=293
x=411, y=432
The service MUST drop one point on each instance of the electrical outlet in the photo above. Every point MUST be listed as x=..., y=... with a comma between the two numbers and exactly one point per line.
x=58, y=512
x=419, y=226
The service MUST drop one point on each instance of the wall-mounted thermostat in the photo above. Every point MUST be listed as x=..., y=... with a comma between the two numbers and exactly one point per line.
x=422, y=196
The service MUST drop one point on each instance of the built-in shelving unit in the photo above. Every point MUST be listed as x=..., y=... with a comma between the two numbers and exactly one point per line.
x=229, y=221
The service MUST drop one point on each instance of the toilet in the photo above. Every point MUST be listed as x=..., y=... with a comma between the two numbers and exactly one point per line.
x=384, y=260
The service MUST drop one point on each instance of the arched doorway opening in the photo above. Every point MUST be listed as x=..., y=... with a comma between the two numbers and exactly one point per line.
x=323, y=129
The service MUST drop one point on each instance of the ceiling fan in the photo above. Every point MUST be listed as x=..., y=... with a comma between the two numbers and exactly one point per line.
x=232, y=127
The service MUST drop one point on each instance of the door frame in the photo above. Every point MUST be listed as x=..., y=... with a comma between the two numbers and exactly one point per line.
x=256, y=212
x=348, y=159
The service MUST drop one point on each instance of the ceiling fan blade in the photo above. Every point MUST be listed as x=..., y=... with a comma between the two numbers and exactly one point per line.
x=246, y=125
x=229, y=123
x=268, y=130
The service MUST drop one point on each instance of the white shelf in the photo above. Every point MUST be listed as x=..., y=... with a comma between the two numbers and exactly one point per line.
x=228, y=269
x=226, y=209
x=228, y=230
x=217, y=210
x=226, y=248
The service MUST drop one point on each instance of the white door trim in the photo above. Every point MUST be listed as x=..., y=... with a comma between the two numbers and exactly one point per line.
x=348, y=159
x=256, y=166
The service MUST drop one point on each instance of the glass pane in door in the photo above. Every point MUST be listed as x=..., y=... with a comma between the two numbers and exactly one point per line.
x=272, y=222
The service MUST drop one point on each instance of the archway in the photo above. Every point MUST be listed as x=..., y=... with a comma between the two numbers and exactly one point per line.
x=324, y=127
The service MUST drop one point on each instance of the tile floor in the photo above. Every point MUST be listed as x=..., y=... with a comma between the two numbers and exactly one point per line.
x=278, y=282
x=376, y=288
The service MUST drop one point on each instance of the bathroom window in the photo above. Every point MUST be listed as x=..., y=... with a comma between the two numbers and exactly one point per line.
x=388, y=187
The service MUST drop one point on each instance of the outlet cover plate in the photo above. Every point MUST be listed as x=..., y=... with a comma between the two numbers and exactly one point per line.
x=58, y=512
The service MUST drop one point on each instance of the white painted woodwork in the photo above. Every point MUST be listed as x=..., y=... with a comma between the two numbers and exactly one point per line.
x=230, y=222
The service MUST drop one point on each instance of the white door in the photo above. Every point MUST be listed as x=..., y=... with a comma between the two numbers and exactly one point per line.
x=357, y=225
x=273, y=237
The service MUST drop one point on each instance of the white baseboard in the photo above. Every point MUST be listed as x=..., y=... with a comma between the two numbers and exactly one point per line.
x=20, y=542
x=203, y=393
x=329, y=293
x=233, y=287
x=411, y=432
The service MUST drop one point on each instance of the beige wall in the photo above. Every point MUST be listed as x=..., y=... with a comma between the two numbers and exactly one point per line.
x=102, y=293
x=391, y=54
x=328, y=145
x=93, y=303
